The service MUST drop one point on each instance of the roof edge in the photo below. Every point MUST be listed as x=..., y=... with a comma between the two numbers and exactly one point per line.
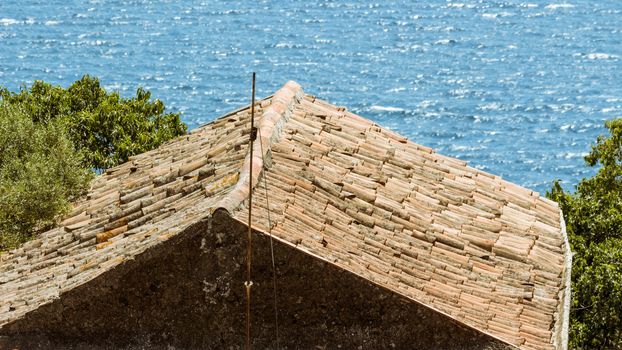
x=268, y=132
x=562, y=324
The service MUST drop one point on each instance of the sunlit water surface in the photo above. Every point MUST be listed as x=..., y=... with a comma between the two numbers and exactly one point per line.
x=517, y=88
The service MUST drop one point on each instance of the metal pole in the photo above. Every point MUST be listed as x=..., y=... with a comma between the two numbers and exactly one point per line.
x=249, y=251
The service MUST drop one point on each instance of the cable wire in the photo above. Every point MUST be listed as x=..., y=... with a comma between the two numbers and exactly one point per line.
x=265, y=186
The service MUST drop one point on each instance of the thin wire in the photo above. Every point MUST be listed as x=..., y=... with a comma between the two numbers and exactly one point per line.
x=249, y=251
x=265, y=187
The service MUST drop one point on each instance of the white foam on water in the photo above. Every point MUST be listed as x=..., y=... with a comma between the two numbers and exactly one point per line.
x=559, y=6
x=397, y=89
x=600, y=56
x=113, y=86
x=386, y=109
x=51, y=23
x=572, y=155
x=459, y=92
x=490, y=15
x=8, y=21
x=566, y=127
x=445, y=42
x=426, y=103
x=493, y=106
x=460, y=148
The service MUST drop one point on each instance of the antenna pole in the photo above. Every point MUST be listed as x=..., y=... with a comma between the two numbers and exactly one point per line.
x=248, y=284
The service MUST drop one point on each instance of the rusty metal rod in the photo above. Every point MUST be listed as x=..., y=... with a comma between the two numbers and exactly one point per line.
x=249, y=251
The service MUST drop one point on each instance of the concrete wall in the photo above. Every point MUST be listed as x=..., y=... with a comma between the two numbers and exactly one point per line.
x=188, y=294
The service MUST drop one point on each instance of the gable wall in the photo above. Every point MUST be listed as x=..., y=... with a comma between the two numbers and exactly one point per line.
x=188, y=293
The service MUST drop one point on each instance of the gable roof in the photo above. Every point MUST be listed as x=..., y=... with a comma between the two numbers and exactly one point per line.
x=487, y=253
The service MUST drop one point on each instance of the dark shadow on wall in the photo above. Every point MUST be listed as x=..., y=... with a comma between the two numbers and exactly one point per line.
x=188, y=293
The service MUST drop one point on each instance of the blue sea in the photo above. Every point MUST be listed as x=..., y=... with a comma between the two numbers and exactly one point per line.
x=517, y=88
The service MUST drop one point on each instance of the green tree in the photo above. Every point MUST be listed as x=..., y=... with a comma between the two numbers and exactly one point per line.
x=52, y=139
x=40, y=173
x=105, y=127
x=593, y=215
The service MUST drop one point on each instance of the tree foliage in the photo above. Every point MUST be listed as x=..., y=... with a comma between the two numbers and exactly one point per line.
x=105, y=127
x=40, y=173
x=593, y=215
x=52, y=140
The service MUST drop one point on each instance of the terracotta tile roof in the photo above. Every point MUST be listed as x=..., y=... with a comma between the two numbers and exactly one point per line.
x=486, y=252
x=128, y=209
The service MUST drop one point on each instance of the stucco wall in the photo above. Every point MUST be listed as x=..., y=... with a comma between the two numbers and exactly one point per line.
x=188, y=293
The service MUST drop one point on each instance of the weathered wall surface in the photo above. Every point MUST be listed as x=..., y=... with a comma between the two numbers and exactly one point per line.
x=189, y=294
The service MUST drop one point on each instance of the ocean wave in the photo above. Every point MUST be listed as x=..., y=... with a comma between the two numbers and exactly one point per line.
x=461, y=148
x=459, y=92
x=496, y=15
x=566, y=127
x=386, y=109
x=600, y=56
x=90, y=43
x=8, y=21
x=397, y=89
x=559, y=6
x=493, y=106
x=445, y=42
x=571, y=155
x=480, y=118
x=325, y=41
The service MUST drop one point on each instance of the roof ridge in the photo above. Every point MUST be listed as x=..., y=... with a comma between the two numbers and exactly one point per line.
x=268, y=132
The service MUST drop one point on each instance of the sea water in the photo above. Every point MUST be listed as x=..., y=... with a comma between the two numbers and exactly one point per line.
x=518, y=88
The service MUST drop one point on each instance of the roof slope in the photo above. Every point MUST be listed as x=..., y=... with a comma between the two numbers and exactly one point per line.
x=486, y=252
x=127, y=210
